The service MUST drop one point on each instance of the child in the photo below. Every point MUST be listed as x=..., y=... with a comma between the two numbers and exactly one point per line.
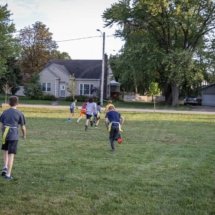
x=11, y=119
x=82, y=112
x=108, y=105
x=97, y=114
x=72, y=110
x=90, y=109
x=114, y=121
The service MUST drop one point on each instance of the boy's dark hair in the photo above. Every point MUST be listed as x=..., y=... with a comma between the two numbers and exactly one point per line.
x=13, y=101
x=90, y=100
x=98, y=103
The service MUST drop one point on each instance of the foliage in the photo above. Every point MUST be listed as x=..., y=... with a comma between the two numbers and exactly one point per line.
x=153, y=91
x=8, y=45
x=37, y=48
x=48, y=97
x=55, y=54
x=61, y=169
x=12, y=76
x=164, y=37
x=72, y=86
x=33, y=88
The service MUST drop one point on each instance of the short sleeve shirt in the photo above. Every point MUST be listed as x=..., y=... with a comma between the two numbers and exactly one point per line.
x=12, y=118
x=113, y=116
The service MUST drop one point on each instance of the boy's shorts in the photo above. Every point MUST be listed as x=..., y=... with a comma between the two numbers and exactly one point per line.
x=83, y=112
x=10, y=146
x=71, y=110
x=88, y=116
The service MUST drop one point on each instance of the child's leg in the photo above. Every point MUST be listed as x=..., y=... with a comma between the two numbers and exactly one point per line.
x=5, y=158
x=10, y=164
x=112, y=138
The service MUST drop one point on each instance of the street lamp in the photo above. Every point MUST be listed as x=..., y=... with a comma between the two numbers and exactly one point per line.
x=103, y=67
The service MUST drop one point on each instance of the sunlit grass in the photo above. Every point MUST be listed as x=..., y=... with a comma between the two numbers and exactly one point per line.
x=164, y=166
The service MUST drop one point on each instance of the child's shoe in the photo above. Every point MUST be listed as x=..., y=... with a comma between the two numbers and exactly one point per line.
x=8, y=178
x=4, y=171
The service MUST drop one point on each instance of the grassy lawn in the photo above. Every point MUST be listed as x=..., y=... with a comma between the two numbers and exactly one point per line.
x=165, y=166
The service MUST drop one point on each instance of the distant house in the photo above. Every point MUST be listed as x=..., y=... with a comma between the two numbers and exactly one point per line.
x=56, y=77
x=208, y=95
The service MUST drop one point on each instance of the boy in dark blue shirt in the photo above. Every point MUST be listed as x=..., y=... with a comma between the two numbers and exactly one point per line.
x=113, y=121
x=11, y=119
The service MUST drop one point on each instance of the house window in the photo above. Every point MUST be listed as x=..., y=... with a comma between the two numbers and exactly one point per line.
x=86, y=89
x=46, y=87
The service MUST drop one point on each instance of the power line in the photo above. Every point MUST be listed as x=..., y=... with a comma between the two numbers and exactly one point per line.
x=81, y=38
x=74, y=39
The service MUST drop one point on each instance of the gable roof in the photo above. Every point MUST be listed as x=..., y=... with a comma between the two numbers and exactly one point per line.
x=83, y=69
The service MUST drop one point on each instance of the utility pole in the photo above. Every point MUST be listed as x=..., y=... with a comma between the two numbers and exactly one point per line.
x=103, y=68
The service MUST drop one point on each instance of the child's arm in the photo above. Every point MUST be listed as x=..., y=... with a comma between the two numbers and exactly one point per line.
x=23, y=129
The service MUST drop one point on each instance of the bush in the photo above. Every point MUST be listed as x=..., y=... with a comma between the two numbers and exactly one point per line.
x=48, y=97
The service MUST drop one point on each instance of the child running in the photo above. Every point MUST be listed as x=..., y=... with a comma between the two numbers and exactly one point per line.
x=114, y=120
x=11, y=119
x=82, y=112
x=90, y=109
x=109, y=104
x=72, y=110
x=97, y=114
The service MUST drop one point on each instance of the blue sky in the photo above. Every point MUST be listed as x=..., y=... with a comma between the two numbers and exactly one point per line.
x=69, y=19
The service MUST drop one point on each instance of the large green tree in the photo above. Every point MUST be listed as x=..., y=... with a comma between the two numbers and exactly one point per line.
x=37, y=48
x=168, y=33
x=8, y=44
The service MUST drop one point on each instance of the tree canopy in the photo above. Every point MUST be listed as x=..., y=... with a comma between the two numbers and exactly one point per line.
x=37, y=48
x=8, y=44
x=162, y=41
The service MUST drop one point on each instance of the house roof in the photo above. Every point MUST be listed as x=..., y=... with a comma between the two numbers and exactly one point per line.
x=207, y=86
x=83, y=69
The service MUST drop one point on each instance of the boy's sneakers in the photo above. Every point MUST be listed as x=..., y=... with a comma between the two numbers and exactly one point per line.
x=8, y=178
x=4, y=171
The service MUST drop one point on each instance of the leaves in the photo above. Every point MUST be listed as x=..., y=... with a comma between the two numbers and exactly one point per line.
x=162, y=38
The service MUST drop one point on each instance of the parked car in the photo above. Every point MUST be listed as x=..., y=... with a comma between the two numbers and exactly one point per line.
x=191, y=100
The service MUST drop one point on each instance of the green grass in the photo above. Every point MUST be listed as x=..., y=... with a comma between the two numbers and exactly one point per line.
x=164, y=166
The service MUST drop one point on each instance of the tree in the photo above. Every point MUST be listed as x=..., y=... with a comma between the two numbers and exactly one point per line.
x=8, y=44
x=153, y=91
x=60, y=55
x=169, y=32
x=37, y=48
x=12, y=77
x=33, y=88
x=72, y=86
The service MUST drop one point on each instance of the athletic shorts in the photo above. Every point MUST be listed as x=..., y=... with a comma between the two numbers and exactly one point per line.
x=83, y=112
x=71, y=110
x=88, y=116
x=10, y=146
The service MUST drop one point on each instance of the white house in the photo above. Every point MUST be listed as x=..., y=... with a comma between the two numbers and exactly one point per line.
x=57, y=75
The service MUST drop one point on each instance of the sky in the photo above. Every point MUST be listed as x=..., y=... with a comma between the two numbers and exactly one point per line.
x=69, y=20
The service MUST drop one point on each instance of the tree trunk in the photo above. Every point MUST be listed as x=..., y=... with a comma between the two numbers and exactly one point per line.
x=168, y=94
x=175, y=94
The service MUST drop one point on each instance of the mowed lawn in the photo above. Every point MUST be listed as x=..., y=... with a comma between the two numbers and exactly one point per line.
x=166, y=165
